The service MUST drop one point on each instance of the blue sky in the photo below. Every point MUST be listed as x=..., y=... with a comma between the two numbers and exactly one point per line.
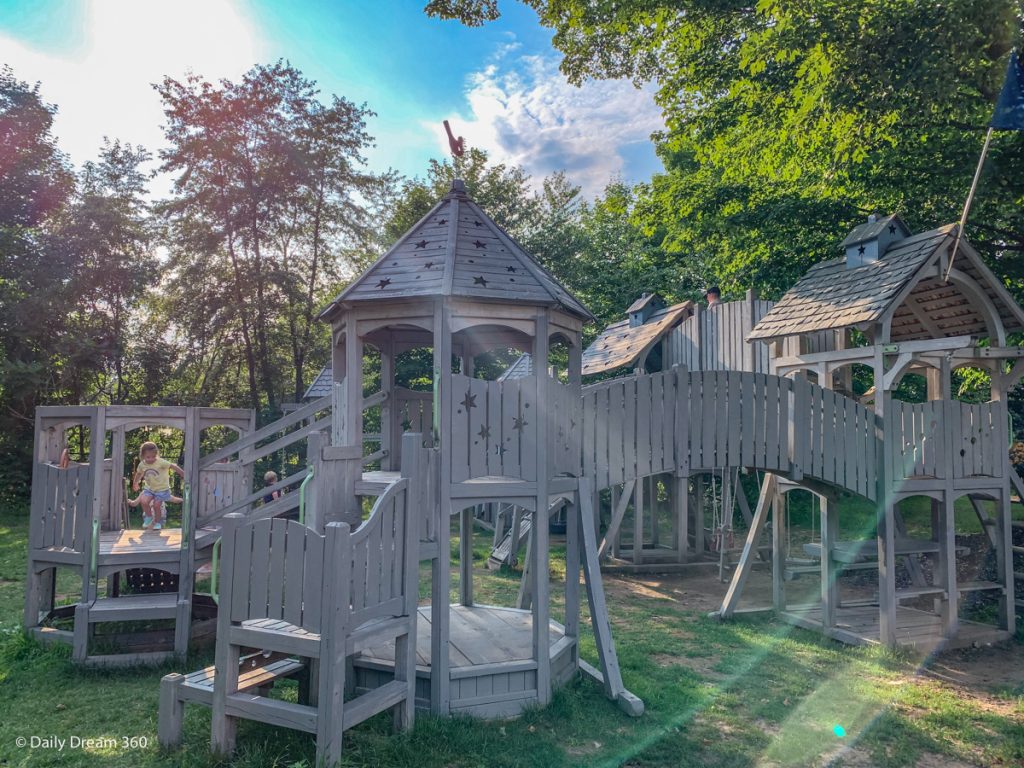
x=499, y=85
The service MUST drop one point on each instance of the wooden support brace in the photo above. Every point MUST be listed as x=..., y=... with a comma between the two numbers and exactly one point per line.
x=612, y=677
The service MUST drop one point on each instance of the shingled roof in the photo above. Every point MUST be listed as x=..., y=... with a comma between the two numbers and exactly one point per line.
x=458, y=250
x=834, y=295
x=620, y=344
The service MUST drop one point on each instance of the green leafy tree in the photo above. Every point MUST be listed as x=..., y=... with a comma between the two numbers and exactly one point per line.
x=35, y=181
x=268, y=198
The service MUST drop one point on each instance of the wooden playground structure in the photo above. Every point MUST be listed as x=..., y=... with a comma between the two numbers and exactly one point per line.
x=626, y=463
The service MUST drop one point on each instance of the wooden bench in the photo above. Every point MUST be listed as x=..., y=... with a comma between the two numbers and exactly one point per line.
x=257, y=671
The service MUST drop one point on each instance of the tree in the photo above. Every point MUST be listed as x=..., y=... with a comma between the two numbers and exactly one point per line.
x=34, y=183
x=787, y=122
x=267, y=198
x=108, y=236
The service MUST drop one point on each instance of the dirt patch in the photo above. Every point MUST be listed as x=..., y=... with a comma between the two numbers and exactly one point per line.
x=701, y=665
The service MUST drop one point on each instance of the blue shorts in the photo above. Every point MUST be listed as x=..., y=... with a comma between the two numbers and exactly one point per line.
x=163, y=496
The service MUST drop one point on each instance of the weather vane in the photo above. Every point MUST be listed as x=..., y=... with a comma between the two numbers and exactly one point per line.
x=458, y=146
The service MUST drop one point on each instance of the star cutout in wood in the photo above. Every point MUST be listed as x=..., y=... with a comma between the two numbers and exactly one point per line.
x=421, y=244
x=428, y=265
x=892, y=229
x=478, y=244
x=406, y=425
x=501, y=450
x=861, y=250
x=510, y=269
x=469, y=401
x=384, y=283
x=519, y=423
x=485, y=432
x=479, y=280
x=442, y=221
x=478, y=223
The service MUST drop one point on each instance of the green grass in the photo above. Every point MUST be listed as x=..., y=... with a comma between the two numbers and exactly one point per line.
x=748, y=692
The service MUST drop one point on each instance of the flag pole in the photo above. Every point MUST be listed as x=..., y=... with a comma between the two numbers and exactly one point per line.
x=967, y=205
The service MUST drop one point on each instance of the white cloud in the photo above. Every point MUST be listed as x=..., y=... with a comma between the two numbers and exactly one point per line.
x=103, y=86
x=523, y=111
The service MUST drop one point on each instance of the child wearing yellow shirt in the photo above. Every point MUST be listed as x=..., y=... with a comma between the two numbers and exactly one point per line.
x=154, y=472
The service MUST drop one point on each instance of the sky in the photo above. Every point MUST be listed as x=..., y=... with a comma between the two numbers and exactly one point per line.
x=498, y=85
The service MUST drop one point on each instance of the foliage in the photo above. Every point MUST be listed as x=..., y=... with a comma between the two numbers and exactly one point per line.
x=786, y=122
x=269, y=194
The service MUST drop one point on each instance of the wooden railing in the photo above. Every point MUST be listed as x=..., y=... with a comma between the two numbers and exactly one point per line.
x=62, y=507
x=934, y=439
x=701, y=421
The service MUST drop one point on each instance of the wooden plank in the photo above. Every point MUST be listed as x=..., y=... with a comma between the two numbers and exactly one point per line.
x=275, y=567
x=657, y=423
x=618, y=430
x=734, y=430
x=294, y=556
x=628, y=392
x=643, y=426
x=237, y=593
x=773, y=459
x=614, y=688
x=747, y=557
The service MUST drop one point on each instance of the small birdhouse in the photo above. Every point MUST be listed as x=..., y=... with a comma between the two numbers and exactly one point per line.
x=641, y=309
x=868, y=242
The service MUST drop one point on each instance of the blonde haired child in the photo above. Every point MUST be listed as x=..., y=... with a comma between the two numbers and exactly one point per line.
x=154, y=472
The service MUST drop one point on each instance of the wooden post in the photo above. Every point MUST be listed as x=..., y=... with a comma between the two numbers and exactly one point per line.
x=387, y=413
x=1004, y=513
x=414, y=467
x=353, y=403
x=189, y=518
x=638, y=522
x=222, y=727
x=573, y=529
x=466, y=556
x=440, y=680
x=541, y=553
x=885, y=519
x=680, y=499
x=829, y=582
x=698, y=509
x=779, y=550
x=652, y=492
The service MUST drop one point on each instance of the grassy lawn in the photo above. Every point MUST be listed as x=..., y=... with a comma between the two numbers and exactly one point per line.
x=748, y=692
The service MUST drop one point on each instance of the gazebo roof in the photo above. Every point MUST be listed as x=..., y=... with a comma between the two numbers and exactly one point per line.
x=833, y=295
x=457, y=250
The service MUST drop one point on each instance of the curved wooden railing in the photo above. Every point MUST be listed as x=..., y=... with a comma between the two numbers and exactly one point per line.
x=686, y=421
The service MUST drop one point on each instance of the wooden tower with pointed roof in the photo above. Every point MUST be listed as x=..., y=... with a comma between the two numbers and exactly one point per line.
x=459, y=285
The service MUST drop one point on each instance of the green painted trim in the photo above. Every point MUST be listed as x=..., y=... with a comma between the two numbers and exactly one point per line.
x=302, y=495
x=214, y=572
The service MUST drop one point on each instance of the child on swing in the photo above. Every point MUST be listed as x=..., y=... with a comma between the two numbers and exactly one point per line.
x=154, y=472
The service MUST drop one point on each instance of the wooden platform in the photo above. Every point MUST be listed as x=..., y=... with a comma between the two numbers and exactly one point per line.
x=915, y=629
x=134, y=548
x=492, y=672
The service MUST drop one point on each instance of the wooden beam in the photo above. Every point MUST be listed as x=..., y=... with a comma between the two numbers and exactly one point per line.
x=746, y=563
x=618, y=513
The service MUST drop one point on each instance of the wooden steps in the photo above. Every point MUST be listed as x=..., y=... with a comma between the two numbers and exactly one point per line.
x=910, y=592
x=134, y=608
x=979, y=586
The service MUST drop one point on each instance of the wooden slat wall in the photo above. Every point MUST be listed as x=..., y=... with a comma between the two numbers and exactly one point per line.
x=916, y=440
x=714, y=339
x=644, y=425
x=217, y=487
x=494, y=427
x=62, y=503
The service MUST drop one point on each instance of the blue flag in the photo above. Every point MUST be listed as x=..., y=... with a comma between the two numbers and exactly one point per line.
x=1009, y=114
